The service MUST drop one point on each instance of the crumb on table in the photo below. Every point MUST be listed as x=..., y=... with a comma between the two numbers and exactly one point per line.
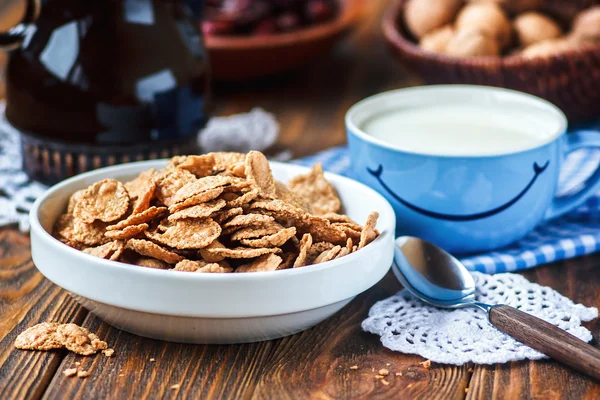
x=83, y=374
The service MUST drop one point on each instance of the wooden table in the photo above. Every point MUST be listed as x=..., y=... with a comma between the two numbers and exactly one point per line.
x=314, y=364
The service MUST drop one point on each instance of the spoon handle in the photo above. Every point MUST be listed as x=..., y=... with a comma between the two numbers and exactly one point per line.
x=547, y=338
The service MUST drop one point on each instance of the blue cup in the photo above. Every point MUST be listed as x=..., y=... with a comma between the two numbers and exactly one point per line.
x=471, y=202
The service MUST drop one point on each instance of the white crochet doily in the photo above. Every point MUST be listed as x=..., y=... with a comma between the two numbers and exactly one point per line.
x=255, y=130
x=408, y=325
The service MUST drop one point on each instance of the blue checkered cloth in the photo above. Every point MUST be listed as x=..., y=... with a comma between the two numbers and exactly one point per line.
x=572, y=235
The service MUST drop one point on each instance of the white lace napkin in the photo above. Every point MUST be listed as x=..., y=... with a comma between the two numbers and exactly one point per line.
x=255, y=130
x=408, y=325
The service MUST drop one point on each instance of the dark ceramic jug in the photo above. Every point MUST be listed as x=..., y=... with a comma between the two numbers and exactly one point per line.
x=92, y=83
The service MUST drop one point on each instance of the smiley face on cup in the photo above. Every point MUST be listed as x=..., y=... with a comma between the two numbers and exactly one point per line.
x=470, y=168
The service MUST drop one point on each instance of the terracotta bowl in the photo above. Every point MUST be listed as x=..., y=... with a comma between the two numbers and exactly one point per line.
x=244, y=57
x=570, y=80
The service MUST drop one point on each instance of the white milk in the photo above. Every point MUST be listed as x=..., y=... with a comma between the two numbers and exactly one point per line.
x=462, y=129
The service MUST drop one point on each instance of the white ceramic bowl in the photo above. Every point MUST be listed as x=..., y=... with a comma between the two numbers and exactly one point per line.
x=211, y=308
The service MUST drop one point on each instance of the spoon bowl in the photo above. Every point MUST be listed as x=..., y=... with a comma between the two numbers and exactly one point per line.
x=432, y=274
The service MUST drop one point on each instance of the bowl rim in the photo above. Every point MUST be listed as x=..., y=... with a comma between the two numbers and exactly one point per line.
x=354, y=129
x=349, y=14
x=400, y=42
x=115, y=266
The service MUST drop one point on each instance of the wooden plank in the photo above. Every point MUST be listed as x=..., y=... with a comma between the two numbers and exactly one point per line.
x=27, y=298
x=316, y=363
x=579, y=280
x=146, y=368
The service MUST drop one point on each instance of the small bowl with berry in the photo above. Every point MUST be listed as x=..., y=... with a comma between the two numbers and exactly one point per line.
x=253, y=38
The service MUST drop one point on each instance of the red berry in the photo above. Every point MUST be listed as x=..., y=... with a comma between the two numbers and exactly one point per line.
x=319, y=11
x=267, y=26
x=287, y=22
x=217, y=27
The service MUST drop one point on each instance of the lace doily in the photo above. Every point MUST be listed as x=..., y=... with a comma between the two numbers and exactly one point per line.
x=408, y=325
x=255, y=130
x=17, y=191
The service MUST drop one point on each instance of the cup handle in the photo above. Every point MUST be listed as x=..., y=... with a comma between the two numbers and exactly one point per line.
x=13, y=38
x=564, y=204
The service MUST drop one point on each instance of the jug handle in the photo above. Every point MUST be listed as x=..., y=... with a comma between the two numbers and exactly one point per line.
x=13, y=38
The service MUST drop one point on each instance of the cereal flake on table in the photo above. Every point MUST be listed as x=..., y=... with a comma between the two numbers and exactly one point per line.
x=213, y=213
x=52, y=335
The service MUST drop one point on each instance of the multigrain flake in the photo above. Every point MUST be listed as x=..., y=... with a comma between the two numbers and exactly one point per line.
x=348, y=230
x=139, y=186
x=91, y=234
x=200, y=166
x=188, y=234
x=215, y=268
x=203, y=266
x=369, y=233
x=274, y=240
x=287, y=260
x=64, y=226
x=200, y=198
x=105, y=201
x=318, y=248
x=319, y=193
x=209, y=256
x=335, y=217
x=143, y=202
x=320, y=228
x=201, y=185
x=73, y=200
x=241, y=252
x=39, y=337
x=284, y=194
x=248, y=220
x=150, y=262
x=258, y=172
x=139, y=218
x=327, y=255
x=169, y=181
x=224, y=215
x=267, y=262
x=203, y=210
x=128, y=232
x=257, y=232
x=109, y=251
x=243, y=199
x=79, y=340
x=305, y=245
x=150, y=249
x=83, y=374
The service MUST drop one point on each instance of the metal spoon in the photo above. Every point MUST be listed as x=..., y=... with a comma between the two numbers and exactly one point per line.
x=437, y=278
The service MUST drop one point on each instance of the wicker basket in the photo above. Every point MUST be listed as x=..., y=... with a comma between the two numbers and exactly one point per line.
x=570, y=80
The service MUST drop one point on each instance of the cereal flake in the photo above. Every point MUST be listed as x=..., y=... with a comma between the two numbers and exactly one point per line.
x=313, y=186
x=150, y=249
x=267, y=262
x=106, y=201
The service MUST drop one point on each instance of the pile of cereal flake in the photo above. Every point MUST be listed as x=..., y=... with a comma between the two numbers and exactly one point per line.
x=217, y=212
x=52, y=335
